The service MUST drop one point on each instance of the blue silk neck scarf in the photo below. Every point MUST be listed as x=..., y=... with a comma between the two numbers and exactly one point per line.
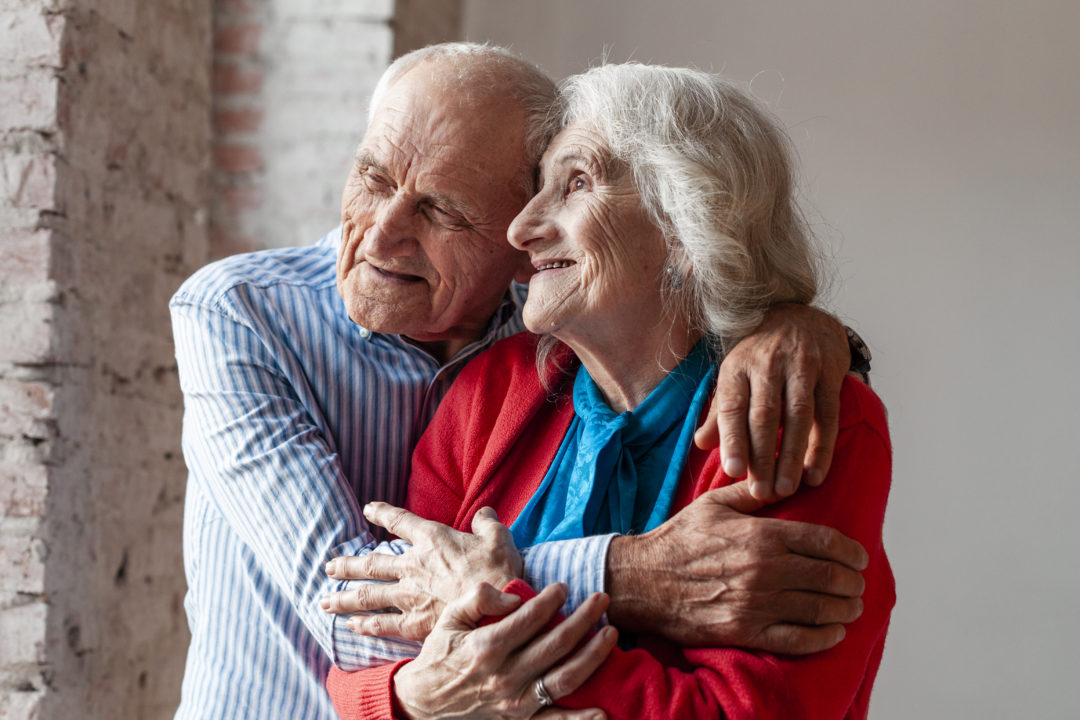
x=619, y=472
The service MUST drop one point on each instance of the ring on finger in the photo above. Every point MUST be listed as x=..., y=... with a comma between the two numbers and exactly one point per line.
x=542, y=693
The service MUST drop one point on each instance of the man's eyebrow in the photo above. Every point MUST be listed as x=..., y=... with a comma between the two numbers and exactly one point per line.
x=365, y=158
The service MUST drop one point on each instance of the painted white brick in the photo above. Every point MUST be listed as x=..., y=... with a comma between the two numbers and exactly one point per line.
x=29, y=35
x=370, y=9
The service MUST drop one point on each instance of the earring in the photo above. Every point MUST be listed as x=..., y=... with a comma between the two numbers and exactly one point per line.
x=674, y=278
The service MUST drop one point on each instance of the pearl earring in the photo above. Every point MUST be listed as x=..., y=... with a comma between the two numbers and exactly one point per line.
x=675, y=279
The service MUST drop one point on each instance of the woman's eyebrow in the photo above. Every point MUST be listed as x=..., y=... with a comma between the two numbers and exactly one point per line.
x=571, y=157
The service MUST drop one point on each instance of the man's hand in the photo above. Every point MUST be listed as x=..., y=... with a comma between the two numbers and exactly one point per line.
x=442, y=567
x=788, y=373
x=712, y=576
x=468, y=671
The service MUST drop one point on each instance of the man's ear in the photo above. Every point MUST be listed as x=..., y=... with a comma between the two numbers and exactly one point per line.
x=525, y=270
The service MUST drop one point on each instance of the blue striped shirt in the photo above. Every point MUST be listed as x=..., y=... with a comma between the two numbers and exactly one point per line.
x=294, y=418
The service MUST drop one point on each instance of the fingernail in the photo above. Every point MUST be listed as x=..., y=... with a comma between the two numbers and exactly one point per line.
x=785, y=486
x=814, y=477
x=733, y=467
x=330, y=568
x=325, y=602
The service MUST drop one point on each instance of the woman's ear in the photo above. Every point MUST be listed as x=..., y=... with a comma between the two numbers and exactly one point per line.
x=679, y=262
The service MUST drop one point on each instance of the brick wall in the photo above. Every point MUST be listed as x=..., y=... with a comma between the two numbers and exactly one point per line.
x=291, y=81
x=128, y=130
x=291, y=84
x=104, y=135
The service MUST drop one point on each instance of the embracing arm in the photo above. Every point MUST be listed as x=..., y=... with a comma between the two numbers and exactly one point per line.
x=740, y=580
x=255, y=450
x=787, y=374
x=653, y=681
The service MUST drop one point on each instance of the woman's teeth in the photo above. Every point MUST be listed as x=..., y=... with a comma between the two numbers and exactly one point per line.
x=556, y=264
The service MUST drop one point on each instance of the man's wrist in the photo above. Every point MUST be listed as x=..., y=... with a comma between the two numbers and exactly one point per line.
x=860, y=355
x=631, y=607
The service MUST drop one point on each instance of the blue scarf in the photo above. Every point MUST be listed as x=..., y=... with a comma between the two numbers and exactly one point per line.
x=619, y=472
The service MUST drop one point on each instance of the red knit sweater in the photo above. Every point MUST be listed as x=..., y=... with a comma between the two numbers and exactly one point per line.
x=491, y=443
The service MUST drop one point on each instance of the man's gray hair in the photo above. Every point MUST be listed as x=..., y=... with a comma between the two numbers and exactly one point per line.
x=715, y=172
x=493, y=68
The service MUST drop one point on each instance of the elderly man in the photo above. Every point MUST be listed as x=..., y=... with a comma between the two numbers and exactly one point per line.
x=300, y=407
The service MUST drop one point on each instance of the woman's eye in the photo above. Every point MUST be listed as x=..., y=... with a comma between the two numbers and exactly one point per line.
x=576, y=183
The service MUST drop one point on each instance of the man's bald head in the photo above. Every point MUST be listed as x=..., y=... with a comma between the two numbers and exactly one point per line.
x=481, y=74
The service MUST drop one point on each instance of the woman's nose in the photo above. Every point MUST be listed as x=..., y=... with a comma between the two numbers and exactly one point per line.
x=531, y=224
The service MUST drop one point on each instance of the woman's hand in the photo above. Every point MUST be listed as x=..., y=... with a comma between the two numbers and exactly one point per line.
x=443, y=566
x=466, y=670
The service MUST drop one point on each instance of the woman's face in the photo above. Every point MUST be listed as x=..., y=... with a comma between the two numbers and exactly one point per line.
x=599, y=259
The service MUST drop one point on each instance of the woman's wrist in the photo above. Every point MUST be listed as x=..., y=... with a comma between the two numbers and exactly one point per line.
x=403, y=689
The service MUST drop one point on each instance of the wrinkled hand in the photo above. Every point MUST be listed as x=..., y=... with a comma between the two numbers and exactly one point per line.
x=443, y=566
x=712, y=576
x=468, y=671
x=789, y=373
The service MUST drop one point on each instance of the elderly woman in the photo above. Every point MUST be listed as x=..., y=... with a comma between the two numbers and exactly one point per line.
x=663, y=227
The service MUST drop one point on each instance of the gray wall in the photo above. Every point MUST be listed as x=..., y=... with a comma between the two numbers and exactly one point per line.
x=941, y=157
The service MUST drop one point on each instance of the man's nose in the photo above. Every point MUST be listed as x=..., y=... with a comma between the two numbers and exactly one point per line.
x=393, y=233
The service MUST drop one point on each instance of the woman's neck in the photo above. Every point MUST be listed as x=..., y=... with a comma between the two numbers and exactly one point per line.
x=627, y=363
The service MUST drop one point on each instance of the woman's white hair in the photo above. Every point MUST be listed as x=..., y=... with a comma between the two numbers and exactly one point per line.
x=496, y=70
x=714, y=171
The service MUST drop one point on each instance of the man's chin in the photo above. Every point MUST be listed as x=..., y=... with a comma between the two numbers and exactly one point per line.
x=390, y=318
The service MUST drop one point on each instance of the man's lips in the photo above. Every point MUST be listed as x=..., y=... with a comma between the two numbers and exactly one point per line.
x=392, y=276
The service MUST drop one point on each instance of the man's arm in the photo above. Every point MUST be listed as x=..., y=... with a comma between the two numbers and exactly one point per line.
x=259, y=451
x=787, y=374
x=713, y=576
x=261, y=458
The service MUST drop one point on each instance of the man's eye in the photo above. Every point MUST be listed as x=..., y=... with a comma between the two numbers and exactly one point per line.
x=375, y=183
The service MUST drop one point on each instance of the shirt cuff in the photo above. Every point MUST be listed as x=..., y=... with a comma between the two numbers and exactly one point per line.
x=580, y=563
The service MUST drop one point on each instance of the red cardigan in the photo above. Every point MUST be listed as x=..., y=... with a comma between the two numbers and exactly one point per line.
x=491, y=443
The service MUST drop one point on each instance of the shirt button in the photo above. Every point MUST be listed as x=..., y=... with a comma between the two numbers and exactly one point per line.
x=365, y=333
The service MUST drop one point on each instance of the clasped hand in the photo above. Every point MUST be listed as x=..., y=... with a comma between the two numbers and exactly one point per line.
x=443, y=566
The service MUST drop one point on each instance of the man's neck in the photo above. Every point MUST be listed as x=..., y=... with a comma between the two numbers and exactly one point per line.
x=442, y=350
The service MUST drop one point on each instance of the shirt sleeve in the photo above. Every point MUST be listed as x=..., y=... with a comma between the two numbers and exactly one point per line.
x=259, y=454
x=581, y=563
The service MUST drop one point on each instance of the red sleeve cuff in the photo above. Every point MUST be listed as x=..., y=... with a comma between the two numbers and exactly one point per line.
x=365, y=693
x=520, y=588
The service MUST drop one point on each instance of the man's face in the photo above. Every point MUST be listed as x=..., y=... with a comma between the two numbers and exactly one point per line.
x=425, y=212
